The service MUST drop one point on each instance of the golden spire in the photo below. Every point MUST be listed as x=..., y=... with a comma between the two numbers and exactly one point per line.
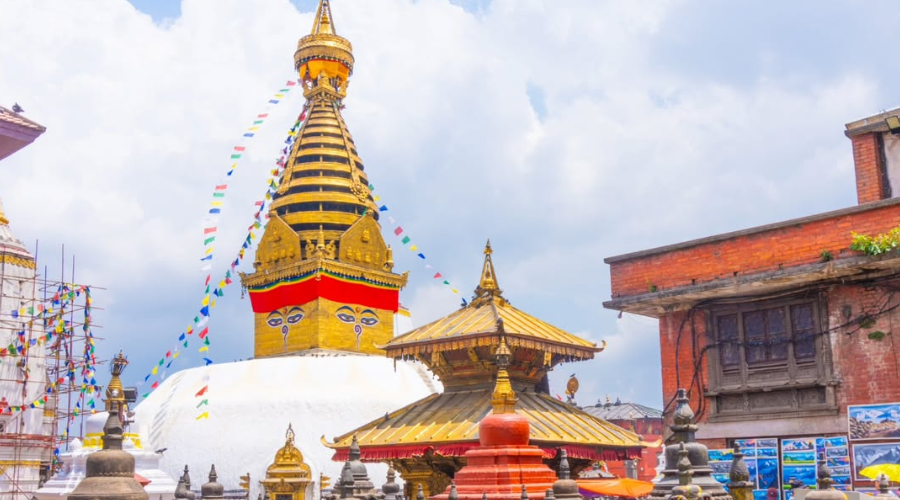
x=504, y=398
x=3, y=220
x=323, y=24
x=488, y=284
x=115, y=393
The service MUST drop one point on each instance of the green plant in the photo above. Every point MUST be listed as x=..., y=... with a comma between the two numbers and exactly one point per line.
x=876, y=335
x=878, y=244
x=826, y=256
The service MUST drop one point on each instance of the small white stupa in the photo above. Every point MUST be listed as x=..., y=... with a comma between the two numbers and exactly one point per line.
x=74, y=460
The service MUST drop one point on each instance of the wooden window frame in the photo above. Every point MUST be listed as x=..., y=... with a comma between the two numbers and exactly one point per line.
x=776, y=376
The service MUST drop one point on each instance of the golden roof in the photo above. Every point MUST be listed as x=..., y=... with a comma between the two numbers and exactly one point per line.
x=453, y=417
x=484, y=321
x=288, y=460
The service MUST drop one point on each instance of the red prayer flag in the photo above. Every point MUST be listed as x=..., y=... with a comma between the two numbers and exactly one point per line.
x=155, y=385
x=209, y=230
x=201, y=391
x=258, y=204
x=205, y=332
x=437, y=275
x=223, y=187
x=291, y=83
x=168, y=354
x=398, y=230
x=559, y=397
x=264, y=115
x=239, y=148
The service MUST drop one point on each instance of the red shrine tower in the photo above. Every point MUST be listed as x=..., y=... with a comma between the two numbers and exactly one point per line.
x=504, y=465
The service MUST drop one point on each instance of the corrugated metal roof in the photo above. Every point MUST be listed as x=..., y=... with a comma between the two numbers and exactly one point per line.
x=622, y=411
x=453, y=417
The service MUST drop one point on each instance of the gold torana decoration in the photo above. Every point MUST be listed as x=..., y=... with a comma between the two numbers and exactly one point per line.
x=323, y=221
x=288, y=474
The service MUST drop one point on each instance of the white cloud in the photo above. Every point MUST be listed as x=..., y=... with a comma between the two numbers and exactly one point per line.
x=141, y=118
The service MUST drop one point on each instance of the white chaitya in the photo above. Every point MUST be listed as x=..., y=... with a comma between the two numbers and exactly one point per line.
x=250, y=403
x=74, y=461
x=25, y=437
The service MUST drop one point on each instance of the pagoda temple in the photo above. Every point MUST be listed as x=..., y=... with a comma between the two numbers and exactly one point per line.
x=426, y=441
x=323, y=273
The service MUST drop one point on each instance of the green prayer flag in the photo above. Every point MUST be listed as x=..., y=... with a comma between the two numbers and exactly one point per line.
x=145, y=395
x=204, y=402
x=218, y=195
x=235, y=157
x=209, y=240
x=405, y=240
x=162, y=361
x=446, y=282
x=185, y=343
x=206, y=341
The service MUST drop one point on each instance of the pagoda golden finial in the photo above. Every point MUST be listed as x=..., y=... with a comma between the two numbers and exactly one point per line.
x=488, y=284
x=504, y=398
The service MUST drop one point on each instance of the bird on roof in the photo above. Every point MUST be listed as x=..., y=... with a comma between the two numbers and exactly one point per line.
x=17, y=109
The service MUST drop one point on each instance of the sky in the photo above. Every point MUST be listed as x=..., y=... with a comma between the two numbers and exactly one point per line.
x=564, y=131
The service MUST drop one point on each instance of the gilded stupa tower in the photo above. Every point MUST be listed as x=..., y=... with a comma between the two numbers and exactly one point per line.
x=323, y=274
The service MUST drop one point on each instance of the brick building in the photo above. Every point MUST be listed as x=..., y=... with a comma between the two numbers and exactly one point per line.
x=778, y=329
x=642, y=420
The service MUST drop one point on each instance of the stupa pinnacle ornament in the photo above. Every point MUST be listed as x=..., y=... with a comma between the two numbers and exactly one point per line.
x=739, y=486
x=825, y=486
x=323, y=273
x=212, y=490
x=110, y=471
x=685, y=451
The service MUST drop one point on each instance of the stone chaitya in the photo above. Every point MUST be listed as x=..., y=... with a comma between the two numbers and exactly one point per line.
x=685, y=450
x=110, y=471
x=354, y=481
x=824, y=486
x=212, y=490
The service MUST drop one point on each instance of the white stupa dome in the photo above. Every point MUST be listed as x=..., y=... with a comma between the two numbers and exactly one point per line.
x=251, y=403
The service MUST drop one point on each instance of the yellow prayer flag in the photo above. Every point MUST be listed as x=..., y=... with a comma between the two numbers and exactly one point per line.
x=455, y=291
x=210, y=250
x=413, y=248
x=155, y=368
x=203, y=415
x=216, y=204
x=203, y=349
x=175, y=355
x=213, y=304
x=377, y=198
x=206, y=300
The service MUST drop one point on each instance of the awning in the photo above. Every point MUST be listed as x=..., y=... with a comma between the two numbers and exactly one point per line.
x=623, y=488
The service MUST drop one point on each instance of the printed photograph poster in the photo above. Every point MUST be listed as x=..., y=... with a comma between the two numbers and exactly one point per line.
x=881, y=421
x=835, y=452
x=720, y=463
x=867, y=455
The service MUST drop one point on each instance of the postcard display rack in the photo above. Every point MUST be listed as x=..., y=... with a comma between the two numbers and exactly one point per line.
x=761, y=456
x=797, y=459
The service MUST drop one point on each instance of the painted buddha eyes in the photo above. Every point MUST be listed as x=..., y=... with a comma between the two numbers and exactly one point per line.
x=276, y=318
x=346, y=318
x=367, y=317
x=295, y=315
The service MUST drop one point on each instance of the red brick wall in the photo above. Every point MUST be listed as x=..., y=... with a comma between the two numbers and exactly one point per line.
x=869, y=369
x=868, y=165
x=679, y=356
x=784, y=246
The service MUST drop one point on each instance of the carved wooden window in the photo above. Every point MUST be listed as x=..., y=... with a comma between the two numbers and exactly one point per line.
x=769, y=357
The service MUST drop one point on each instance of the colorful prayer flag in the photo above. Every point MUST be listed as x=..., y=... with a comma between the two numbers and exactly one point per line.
x=398, y=231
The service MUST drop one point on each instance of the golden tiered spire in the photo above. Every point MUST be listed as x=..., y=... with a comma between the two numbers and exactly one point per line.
x=323, y=274
x=3, y=220
x=115, y=393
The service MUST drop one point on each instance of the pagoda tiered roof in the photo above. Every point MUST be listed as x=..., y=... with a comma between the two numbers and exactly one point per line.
x=447, y=424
